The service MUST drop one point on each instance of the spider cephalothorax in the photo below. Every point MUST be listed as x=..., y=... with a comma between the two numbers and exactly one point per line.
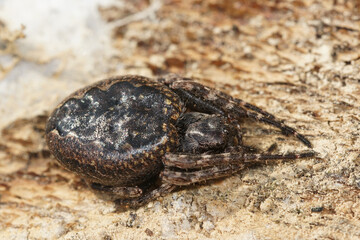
x=134, y=138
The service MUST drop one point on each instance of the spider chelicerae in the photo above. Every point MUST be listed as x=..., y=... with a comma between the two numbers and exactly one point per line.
x=133, y=138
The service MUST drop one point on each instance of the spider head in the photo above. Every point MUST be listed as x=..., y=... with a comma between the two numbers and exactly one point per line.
x=206, y=133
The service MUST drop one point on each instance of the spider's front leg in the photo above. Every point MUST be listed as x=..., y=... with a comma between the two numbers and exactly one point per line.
x=183, y=178
x=173, y=79
x=204, y=99
x=185, y=169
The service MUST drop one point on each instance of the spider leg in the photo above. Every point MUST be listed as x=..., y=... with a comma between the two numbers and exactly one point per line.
x=196, y=161
x=171, y=78
x=115, y=192
x=252, y=107
x=149, y=196
x=181, y=178
x=205, y=99
x=215, y=165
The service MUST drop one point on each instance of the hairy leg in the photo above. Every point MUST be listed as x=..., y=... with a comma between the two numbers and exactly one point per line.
x=196, y=161
x=182, y=178
x=114, y=192
x=205, y=99
x=162, y=190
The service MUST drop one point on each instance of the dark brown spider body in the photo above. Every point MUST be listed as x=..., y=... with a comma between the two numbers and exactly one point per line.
x=116, y=132
x=134, y=138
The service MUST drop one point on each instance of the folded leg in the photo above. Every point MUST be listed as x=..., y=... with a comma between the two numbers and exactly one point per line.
x=205, y=99
x=196, y=161
x=115, y=192
x=181, y=178
x=185, y=169
x=149, y=196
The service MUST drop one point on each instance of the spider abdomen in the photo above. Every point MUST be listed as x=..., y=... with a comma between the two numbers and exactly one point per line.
x=115, y=131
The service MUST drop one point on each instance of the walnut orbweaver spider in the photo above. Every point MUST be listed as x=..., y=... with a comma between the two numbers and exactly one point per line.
x=134, y=138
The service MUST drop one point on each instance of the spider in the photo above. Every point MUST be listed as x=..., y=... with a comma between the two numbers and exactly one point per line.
x=134, y=139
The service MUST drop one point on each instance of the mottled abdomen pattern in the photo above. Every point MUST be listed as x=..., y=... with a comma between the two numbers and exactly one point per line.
x=105, y=131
